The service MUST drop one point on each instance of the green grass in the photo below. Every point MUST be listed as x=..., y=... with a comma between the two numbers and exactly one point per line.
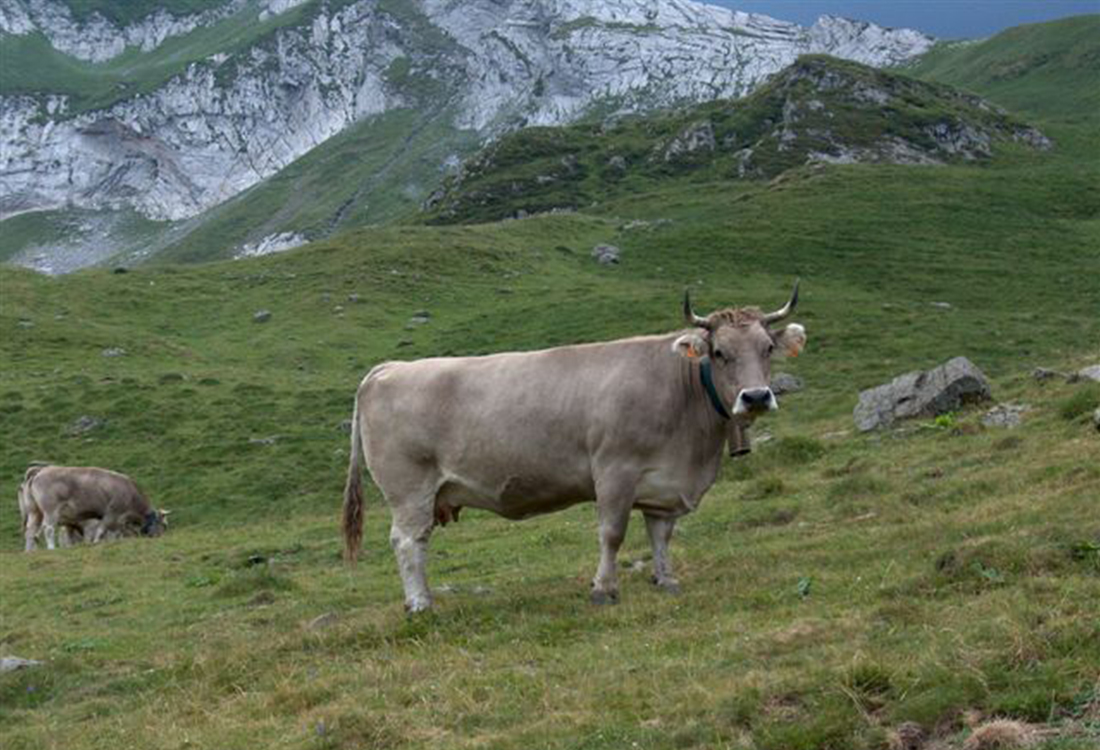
x=835, y=585
x=1027, y=68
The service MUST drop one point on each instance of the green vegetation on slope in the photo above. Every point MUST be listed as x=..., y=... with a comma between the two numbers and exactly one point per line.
x=939, y=572
x=819, y=109
x=371, y=173
x=1028, y=69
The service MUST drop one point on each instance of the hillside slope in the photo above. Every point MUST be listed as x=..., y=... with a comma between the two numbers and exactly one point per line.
x=1026, y=68
x=817, y=111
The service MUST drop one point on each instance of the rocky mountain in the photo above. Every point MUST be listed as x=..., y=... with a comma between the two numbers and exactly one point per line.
x=820, y=110
x=171, y=112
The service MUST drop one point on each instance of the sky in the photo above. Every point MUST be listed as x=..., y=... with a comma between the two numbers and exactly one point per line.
x=947, y=19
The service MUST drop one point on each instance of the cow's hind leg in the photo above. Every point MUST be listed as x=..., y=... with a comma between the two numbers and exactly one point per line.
x=660, y=532
x=614, y=499
x=30, y=530
x=413, y=519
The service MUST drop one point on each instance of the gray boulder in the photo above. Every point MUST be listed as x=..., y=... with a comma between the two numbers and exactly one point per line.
x=606, y=255
x=783, y=382
x=921, y=394
x=1089, y=373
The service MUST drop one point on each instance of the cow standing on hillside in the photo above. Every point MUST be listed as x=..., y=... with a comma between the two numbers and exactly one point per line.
x=636, y=423
x=97, y=503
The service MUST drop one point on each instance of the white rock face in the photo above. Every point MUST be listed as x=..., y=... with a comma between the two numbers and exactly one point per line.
x=224, y=124
x=273, y=243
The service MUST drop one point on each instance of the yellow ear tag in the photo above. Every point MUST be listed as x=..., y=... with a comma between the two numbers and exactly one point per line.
x=793, y=351
x=692, y=352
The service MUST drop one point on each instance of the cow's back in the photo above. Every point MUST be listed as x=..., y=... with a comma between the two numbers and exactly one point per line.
x=80, y=492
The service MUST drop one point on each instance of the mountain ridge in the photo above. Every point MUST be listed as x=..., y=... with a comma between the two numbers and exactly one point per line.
x=226, y=123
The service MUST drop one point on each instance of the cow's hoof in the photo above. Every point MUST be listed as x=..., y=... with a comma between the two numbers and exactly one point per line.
x=417, y=606
x=605, y=597
x=667, y=586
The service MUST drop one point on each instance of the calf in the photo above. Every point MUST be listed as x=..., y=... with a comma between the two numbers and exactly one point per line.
x=96, y=502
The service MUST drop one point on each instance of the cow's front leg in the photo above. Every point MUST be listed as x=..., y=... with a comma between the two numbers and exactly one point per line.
x=660, y=532
x=409, y=534
x=65, y=536
x=613, y=504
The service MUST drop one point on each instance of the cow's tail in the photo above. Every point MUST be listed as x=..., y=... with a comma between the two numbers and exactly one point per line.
x=353, y=491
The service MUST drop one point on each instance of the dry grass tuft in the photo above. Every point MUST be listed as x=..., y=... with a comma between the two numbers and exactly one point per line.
x=1001, y=734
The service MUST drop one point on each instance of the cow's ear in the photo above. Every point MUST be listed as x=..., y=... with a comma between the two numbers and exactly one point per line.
x=790, y=341
x=690, y=346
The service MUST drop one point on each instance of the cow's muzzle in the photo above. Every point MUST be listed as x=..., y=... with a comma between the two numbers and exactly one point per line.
x=755, y=400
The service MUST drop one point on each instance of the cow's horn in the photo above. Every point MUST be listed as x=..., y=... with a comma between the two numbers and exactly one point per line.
x=786, y=310
x=689, y=314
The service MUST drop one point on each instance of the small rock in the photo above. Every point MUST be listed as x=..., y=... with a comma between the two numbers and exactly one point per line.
x=617, y=163
x=85, y=423
x=785, y=383
x=1042, y=373
x=261, y=316
x=25, y=323
x=254, y=560
x=422, y=314
x=908, y=736
x=606, y=255
x=344, y=426
x=353, y=298
x=943, y=305
x=114, y=351
x=1089, y=373
x=338, y=309
x=417, y=320
x=322, y=621
x=270, y=440
x=1005, y=415
x=12, y=663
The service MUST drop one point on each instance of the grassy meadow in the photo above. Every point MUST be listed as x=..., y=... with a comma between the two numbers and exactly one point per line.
x=836, y=585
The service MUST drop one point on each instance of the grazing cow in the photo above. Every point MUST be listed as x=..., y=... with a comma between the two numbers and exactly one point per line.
x=96, y=503
x=635, y=423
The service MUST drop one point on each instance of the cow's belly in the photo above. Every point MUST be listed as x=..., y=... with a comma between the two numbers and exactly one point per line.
x=516, y=497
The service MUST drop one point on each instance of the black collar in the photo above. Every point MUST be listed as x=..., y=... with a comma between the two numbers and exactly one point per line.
x=712, y=393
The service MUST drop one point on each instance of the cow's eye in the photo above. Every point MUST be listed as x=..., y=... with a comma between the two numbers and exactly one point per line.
x=719, y=354
x=771, y=348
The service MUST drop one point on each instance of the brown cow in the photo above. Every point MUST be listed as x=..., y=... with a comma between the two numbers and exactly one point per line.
x=96, y=503
x=636, y=423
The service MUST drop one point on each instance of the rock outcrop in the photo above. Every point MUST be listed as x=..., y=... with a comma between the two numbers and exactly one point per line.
x=942, y=389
